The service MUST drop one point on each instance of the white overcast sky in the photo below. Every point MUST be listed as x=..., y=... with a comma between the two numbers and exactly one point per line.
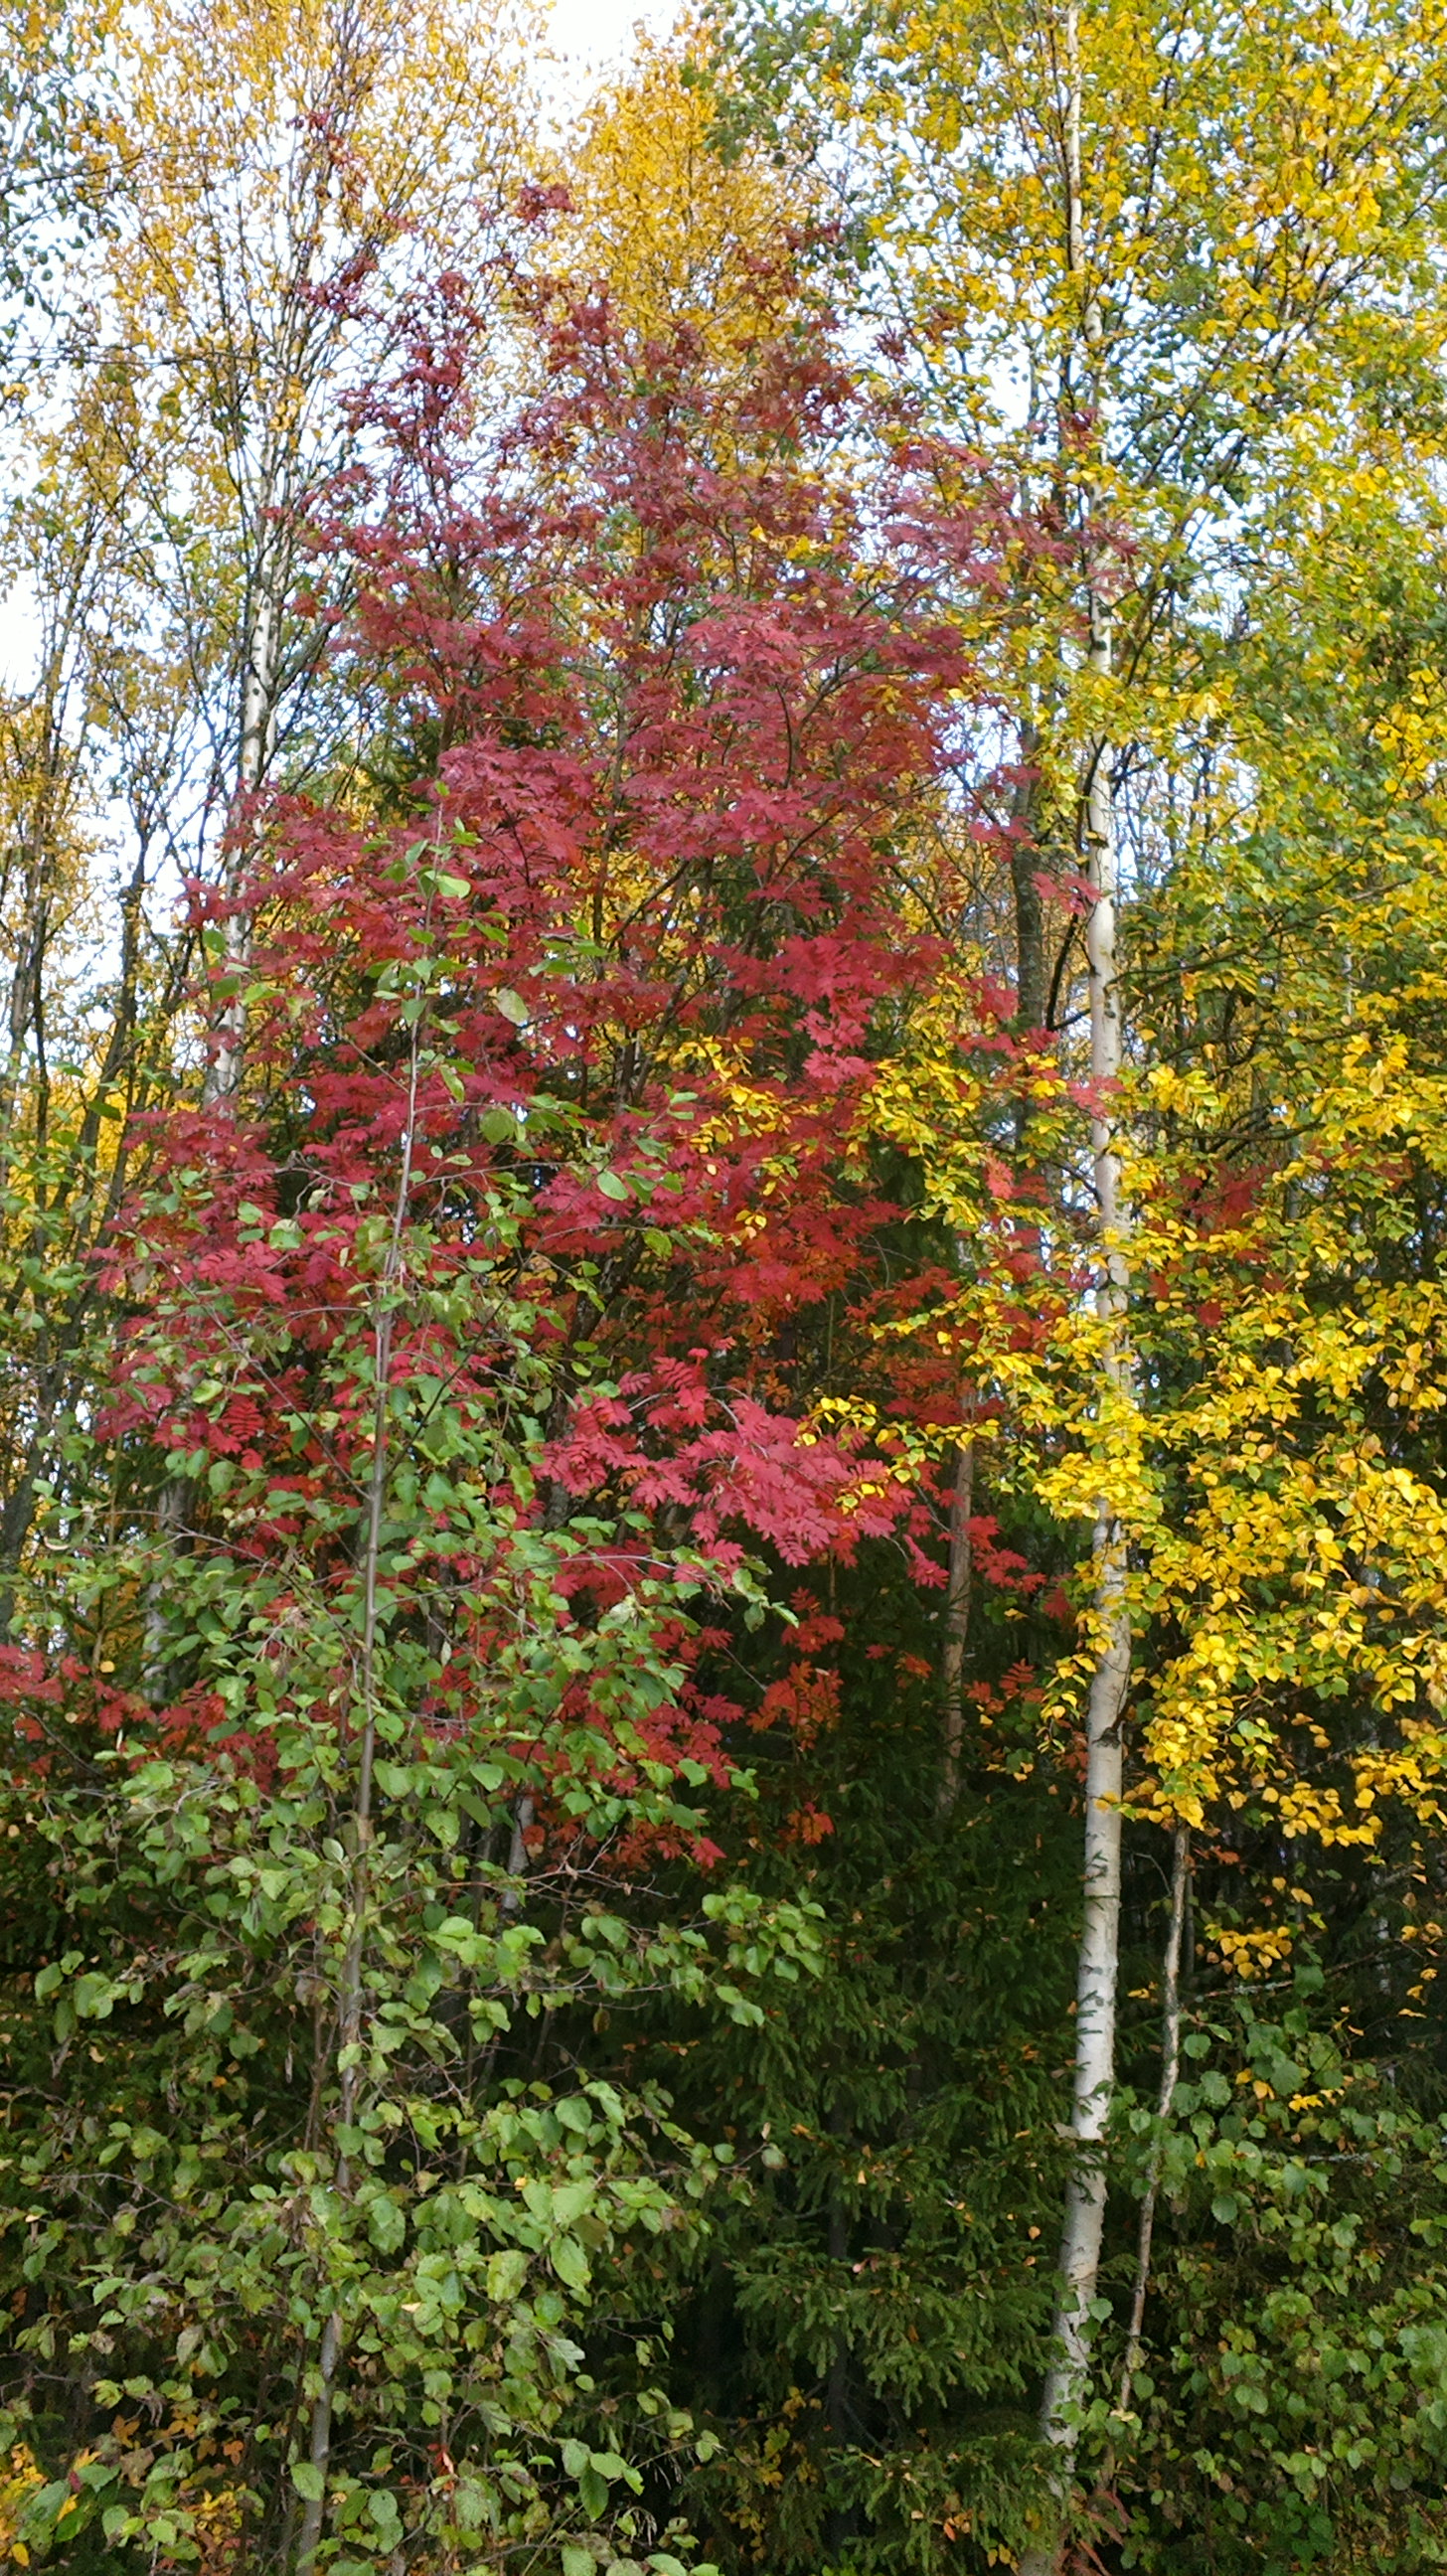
x=591, y=32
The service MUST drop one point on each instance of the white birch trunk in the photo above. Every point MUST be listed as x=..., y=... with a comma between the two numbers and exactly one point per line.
x=1095, y=1991
x=1083, y=2228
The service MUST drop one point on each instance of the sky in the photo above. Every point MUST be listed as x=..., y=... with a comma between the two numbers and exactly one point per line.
x=599, y=31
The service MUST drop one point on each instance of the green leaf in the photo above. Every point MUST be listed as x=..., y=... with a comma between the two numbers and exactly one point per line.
x=612, y=1187
x=570, y=2199
x=386, y=2224
x=569, y=2262
x=512, y=1007
x=578, y=2561
x=308, y=2481
x=506, y=2272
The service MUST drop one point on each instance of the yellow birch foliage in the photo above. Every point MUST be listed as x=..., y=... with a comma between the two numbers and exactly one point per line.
x=682, y=237
x=1278, y=1470
x=1215, y=367
x=1300, y=1580
x=1230, y=333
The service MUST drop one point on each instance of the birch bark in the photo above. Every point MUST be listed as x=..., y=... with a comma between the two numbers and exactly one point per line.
x=1083, y=2226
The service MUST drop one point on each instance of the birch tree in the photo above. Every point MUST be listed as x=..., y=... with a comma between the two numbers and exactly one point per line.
x=1083, y=2227
x=284, y=177
x=94, y=968
x=683, y=240
x=1160, y=269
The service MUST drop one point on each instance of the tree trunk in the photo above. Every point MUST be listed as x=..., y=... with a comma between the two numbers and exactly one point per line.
x=956, y=1624
x=1170, y=2076
x=352, y=1985
x=259, y=676
x=1095, y=1994
x=1029, y=903
x=1097, y=1967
